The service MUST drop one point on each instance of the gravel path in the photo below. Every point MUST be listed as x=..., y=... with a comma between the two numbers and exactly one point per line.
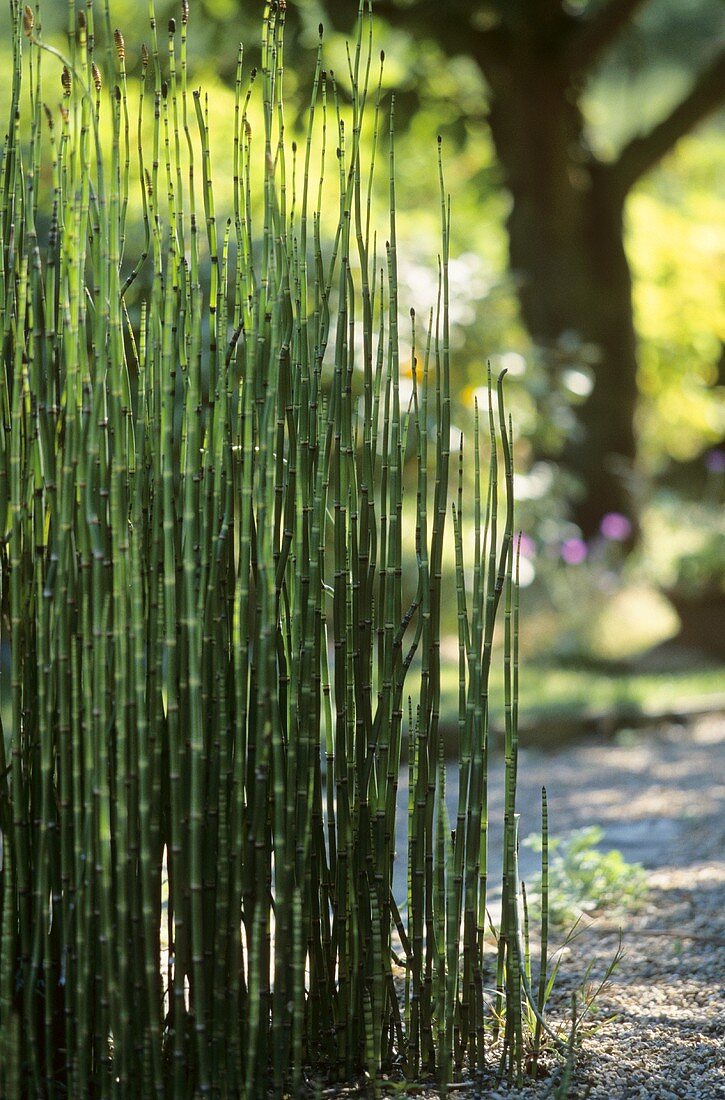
x=660, y=798
x=668, y=1038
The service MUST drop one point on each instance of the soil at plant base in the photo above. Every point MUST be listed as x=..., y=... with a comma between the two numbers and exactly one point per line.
x=658, y=1028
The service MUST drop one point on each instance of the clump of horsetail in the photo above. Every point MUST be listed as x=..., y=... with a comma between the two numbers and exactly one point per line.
x=202, y=469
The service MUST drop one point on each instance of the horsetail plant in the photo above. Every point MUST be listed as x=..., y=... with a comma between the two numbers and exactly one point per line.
x=206, y=605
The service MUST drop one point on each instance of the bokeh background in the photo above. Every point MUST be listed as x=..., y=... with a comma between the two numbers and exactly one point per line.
x=584, y=151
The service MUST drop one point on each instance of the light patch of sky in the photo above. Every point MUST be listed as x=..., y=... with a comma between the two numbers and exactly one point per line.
x=536, y=483
x=470, y=278
x=577, y=381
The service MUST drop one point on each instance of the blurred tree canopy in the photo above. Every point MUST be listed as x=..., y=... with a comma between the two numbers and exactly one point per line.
x=566, y=219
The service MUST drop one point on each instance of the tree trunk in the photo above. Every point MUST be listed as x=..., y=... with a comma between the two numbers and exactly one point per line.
x=567, y=253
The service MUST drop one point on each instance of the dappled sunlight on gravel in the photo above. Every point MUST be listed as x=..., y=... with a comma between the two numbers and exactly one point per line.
x=662, y=1016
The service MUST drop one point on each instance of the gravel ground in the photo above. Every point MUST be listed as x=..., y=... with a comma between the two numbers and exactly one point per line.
x=668, y=1037
x=665, y=1036
x=659, y=796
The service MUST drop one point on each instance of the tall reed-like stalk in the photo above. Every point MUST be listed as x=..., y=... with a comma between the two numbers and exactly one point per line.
x=203, y=578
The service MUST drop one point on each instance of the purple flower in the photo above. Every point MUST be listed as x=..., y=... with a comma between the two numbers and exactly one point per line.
x=616, y=527
x=715, y=461
x=526, y=546
x=574, y=551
